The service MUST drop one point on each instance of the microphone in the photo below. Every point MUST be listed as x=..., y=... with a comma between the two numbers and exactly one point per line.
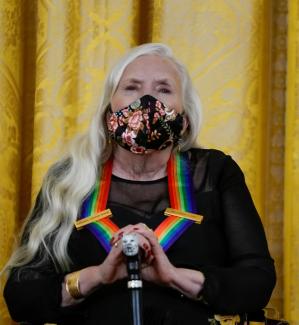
x=131, y=250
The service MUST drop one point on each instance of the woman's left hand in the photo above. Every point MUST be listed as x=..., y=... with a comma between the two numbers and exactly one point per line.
x=159, y=270
x=157, y=267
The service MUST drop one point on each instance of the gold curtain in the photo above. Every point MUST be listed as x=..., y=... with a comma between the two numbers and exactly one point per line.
x=291, y=184
x=242, y=56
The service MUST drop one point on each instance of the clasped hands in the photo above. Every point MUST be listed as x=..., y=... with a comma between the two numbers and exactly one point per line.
x=155, y=265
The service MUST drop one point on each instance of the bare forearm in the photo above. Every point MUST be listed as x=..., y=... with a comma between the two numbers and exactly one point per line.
x=89, y=278
x=188, y=282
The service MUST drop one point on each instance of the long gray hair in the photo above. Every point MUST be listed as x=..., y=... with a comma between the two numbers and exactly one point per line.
x=71, y=179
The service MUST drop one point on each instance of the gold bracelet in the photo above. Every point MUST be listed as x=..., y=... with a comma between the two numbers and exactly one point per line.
x=72, y=285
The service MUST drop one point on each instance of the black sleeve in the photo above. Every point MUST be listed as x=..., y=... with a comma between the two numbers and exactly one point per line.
x=35, y=300
x=246, y=284
x=35, y=297
x=33, y=294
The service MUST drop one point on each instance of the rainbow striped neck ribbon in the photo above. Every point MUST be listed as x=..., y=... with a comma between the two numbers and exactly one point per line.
x=181, y=196
x=104, y=228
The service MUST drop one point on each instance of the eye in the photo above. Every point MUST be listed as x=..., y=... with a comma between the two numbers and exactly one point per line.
x=130, y=87
x=164, y=91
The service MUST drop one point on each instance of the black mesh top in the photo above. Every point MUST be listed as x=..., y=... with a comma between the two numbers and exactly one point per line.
x=229, y=247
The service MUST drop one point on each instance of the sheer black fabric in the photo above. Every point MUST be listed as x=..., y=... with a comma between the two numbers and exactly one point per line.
x=229, y=247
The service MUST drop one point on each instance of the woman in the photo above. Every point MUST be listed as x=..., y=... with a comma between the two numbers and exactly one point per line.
x=138, y=155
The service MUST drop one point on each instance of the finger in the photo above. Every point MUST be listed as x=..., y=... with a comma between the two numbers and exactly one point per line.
x=150, y=258
x=143, y=229
x=142, y=226
x=133, y=230
x=125, y=230
x=149, y=235
x=154, y=243
x=145, y=226
x=114, y=259
x=147, y=262
x=119, y=234
x=117, y=245
x=116, y=251
x=145, y=246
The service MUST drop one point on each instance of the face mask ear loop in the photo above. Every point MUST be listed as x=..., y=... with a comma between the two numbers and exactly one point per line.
x=108, y=109
x=185, y=123
x=167, y=144
x=184, y=131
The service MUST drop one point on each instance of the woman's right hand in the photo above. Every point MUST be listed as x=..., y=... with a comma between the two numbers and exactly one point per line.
x=113, y=268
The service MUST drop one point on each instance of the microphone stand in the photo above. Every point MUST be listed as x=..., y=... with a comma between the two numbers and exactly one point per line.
x=131, y=250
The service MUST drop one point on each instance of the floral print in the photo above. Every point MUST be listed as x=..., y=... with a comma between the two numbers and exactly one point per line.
x=145, y=124
x=135, y=121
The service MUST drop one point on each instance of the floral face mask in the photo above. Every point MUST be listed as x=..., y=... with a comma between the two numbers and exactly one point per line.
x=146, y=124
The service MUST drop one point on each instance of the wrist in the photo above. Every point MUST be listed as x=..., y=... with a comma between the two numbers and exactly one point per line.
x=189, y=282
x=90, y=280
x=72, y=285
x=100, y=275
x=174, y=276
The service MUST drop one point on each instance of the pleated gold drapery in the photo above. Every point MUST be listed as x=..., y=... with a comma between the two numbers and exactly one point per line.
x=242, y=56
x=291, y=184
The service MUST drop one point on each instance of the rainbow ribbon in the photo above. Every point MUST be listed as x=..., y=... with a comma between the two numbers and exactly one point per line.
x=96, y=202
x=181, y=196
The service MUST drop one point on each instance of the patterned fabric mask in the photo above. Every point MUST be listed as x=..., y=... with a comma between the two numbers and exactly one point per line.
x=146, y=124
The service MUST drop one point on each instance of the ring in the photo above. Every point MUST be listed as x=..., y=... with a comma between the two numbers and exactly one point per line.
x=146, y=227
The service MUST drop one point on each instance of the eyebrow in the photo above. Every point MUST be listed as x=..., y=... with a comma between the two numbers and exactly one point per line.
x=133, y=80
x=162, y=81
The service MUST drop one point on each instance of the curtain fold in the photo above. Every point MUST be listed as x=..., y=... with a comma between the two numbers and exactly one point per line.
x=77, y=42
x=273, y=172
x=11, y=82
x=291, y=185
x=242, y=57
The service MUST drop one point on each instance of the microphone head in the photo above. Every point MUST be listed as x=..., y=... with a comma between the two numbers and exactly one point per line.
x=130, y=244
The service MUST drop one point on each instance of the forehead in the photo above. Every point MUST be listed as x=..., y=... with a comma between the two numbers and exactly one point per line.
x=151, y=66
